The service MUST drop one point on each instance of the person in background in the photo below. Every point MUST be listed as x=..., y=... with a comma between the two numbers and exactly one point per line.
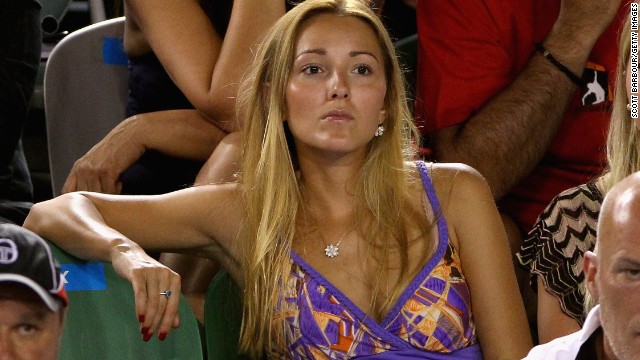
x=554, y=250
x=344, y=246
x=610, y=331
x=504, y=86
x=21, y=39
x=162, y=146
x=32, y=297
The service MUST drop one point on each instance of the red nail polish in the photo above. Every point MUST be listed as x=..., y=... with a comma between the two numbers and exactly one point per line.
x=144, y=330
x=147, y=337
x=141, y=318
x=162, y=336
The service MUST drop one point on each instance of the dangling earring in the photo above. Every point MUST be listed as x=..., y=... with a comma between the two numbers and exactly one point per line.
x=379, y=131
x=628, y=107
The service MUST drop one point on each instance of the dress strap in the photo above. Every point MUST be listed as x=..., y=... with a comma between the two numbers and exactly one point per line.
x=443, y=242
x=428, y=186
x=443, y=232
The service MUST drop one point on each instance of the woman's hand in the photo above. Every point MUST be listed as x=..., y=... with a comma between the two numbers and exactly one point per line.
x=99, y=169
x=156, y=289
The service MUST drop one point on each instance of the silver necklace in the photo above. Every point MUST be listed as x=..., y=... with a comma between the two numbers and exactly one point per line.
x=333, y=250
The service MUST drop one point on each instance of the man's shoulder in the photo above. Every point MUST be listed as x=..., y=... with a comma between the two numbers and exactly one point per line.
x=564, y=348
x=568, y=347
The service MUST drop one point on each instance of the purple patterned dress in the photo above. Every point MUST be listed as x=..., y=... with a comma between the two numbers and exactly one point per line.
x=431, y=319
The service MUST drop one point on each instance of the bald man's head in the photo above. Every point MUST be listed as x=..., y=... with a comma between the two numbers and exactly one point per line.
x=620, y=214
x=613, y=275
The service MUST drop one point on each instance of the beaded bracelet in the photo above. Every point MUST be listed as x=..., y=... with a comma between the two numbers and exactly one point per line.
x=572, y=76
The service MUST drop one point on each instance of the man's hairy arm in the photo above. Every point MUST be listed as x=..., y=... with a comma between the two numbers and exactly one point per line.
x=509, y=135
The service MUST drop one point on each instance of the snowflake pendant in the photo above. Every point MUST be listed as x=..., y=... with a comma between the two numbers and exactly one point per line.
x=332, y=250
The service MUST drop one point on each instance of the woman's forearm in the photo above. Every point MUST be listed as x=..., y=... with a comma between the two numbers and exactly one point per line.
x=180, y=133
x=72, y=222
x=206, y=67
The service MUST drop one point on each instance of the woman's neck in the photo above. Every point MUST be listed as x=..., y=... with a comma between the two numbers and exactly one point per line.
x=329, y=185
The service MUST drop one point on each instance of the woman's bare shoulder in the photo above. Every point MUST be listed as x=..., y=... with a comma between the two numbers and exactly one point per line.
x=454, y=179
x=448, y=170
x=221, y=200
x=219, y=212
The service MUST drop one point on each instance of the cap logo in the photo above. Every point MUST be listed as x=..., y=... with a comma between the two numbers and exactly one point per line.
x=8, y=251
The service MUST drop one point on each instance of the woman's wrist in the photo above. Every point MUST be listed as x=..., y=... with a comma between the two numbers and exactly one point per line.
x=123, y=249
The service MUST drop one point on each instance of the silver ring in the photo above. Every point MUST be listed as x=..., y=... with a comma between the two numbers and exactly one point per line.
x=166, y=293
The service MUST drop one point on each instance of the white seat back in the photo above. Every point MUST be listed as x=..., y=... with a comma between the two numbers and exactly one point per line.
x=85, y=93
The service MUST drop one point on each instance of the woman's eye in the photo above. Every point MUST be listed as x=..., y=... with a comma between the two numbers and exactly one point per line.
x=363, y=70
x=311, y=69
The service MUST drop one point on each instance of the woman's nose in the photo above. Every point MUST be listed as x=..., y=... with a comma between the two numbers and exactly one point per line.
x=339, y=87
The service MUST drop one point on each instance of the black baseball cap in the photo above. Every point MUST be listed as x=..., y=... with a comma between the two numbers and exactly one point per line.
x=26, y=258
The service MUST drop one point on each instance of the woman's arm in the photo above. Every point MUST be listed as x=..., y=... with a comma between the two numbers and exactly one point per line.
x=199, y=219
x=552, y=321
x=179, y=133
x=197, y=272
x=115, y=228
x=475, y=226
x=204, y=66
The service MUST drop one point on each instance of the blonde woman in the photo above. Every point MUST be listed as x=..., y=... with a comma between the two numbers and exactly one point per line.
x=554, y=250
x=342, y=247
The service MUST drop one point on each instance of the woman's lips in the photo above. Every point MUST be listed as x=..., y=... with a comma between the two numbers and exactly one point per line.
x=337, y=115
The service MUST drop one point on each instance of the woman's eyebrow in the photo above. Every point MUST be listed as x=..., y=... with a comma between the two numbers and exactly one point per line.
x=357, y=53
x=319, y=51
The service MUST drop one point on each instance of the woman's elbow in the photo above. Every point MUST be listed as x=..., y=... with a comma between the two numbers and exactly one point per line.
x=42, y=214
x=35, y=218
x=220, y=112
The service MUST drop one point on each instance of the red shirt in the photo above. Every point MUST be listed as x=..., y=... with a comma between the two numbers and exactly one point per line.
x=470, y=50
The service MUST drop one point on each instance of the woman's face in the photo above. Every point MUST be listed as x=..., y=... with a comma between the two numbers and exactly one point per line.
x=337, y=86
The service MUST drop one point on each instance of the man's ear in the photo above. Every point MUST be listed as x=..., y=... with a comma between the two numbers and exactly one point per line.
x=590, y=268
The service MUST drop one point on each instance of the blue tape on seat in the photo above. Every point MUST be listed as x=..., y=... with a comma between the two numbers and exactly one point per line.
x=89, y=276
x=113, y=52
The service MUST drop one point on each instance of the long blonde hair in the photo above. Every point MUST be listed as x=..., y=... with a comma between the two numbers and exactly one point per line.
x=271, y=192
x=623, y=149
